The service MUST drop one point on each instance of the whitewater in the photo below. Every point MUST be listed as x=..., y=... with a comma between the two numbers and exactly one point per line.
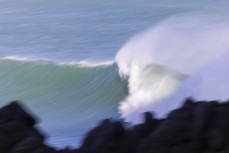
x=183, y=53
x=74, y=63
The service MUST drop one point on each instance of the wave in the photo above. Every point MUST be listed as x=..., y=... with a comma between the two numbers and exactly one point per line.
x=183, y=47
x=69, y=98
x=154, y=71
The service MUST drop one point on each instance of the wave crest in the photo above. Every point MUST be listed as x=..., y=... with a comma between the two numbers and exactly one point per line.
x=182, y=45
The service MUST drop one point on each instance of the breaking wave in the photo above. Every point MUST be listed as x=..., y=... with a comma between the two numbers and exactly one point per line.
x=174, y=60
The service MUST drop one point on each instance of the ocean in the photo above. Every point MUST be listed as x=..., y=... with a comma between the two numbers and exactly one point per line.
x=76, y=62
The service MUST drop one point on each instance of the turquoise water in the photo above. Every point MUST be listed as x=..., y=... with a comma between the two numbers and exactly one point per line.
x=68, y=61
x=68, y=98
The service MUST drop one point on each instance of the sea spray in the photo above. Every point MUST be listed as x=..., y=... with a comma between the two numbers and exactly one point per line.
x=182, y=46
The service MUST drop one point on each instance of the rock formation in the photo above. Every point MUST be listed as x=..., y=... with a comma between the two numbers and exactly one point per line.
x=196, y=127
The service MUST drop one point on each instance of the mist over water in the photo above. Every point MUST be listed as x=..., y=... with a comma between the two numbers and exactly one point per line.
x=74, y=63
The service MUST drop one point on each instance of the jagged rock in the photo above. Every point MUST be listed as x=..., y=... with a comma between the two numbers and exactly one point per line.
x=144, y=129
x=14, y=111
x=28, y=145
x=17, y=132
x=15, y=126
x=183, y=131
x=195, y=127
x=104, y=138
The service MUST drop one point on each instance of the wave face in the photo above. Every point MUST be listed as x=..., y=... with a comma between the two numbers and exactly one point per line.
x=171, y=56
x=69, y=98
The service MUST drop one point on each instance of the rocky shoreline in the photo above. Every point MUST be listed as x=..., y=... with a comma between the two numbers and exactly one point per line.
x=196, y=127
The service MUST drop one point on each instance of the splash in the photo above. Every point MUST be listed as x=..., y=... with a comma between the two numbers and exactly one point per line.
x=182, y=46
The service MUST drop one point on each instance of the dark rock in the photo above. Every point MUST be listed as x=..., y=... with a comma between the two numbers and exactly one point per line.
x=27, y=145
x=182, y=131
x=104, y=137
x=15, y=126
x=17, y=132
x=14, y=111
x=144, y=129
x=195, y=127
x=217, y=135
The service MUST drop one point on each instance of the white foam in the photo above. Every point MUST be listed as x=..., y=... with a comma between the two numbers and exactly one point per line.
x=88, y=63
x=185, y=44
x=209, y=84
x=23, y=58
x=82, y=63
